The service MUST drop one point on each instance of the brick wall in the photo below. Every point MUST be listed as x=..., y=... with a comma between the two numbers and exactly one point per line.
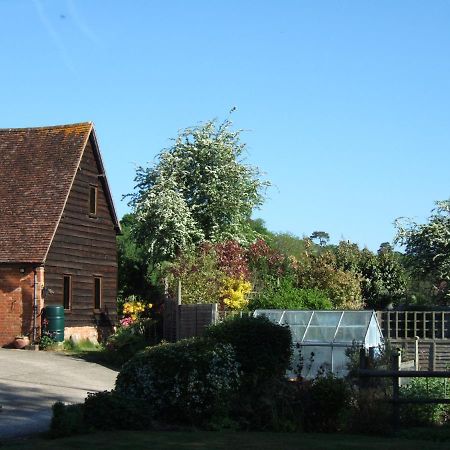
x=16, y=301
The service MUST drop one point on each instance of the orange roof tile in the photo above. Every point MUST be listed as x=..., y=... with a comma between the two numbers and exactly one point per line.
x=37, y=169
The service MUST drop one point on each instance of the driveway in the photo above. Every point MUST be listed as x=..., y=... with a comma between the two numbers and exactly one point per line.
x=31, y=381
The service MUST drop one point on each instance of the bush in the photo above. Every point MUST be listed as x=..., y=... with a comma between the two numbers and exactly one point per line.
x=67, y=420
x=371, y=412
x=47, y=341
x=425, y=414
x=287, y=296
x=128, y=340
x=110, y=411
x=263, y=349
x=327, y=399
x=191, y=381
x=272, y=405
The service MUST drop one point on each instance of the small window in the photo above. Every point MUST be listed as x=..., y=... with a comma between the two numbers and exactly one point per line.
x=93, y=200
x=97, y=293
x=67, y=292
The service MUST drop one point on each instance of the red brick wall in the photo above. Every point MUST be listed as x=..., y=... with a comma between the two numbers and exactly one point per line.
x=16, y=302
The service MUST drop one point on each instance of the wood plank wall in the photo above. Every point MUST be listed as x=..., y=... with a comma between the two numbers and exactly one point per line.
x=84, y=246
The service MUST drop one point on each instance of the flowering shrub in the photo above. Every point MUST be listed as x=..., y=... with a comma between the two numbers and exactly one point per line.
x=131, y=338
x=234, y=293
x=133, y=309
x=126, y=322
x=189, y=381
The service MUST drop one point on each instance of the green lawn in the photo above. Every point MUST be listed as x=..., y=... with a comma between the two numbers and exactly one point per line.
x=223, y=440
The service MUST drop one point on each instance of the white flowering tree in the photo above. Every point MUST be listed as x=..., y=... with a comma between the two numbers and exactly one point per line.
x=199, y=189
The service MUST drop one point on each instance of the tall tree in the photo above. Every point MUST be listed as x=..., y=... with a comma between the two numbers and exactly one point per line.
x=427, y=247
x=199, y=189
x=322, y=236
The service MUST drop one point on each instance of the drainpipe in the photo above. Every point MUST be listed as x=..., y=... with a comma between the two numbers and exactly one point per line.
x=35, y=307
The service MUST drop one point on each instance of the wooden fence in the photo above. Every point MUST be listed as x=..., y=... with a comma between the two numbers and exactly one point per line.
x=406, y=325
x=395, y=373
x=422, y=335
x=185, y=321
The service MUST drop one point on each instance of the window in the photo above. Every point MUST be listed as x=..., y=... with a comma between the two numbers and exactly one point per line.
x=67, y=292
x=97, y=293
x=93, y=200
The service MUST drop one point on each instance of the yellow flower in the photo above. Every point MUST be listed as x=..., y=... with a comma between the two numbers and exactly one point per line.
x=234, y=291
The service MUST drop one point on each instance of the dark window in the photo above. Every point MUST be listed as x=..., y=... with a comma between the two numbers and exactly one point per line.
x=67, y=292
x=93, y=200
x=97, y=292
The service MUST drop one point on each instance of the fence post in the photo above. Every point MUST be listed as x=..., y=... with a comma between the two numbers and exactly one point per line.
x=416, y=352
x=178, y=312
x=395, y=361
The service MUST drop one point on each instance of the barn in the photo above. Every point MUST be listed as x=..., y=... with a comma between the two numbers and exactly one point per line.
x=58, y=230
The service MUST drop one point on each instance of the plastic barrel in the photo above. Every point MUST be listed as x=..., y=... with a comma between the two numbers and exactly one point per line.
x=53, y=322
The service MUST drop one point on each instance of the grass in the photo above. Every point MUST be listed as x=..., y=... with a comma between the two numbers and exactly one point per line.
x=204, y=440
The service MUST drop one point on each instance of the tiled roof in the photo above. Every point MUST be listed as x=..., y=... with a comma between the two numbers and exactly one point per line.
x=37, y=169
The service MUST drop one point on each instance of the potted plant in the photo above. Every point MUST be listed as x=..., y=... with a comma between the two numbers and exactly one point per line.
x=21, y=341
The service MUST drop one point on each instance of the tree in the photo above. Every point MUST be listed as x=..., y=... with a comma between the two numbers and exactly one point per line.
x=134, y=271
x=322, y=236
x=427, y=247
x=199, y=190
x=382, y=276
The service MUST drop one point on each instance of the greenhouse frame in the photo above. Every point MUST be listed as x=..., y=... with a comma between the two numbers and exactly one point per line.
x=321, y=338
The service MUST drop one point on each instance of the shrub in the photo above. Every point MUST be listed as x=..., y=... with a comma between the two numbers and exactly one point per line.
x=327, y=400
x=191, y=381
x=111, y=411
x=263, y=349
x=129, y=340
x=273, y=404
x=371, y=411
x=234, y=293
x=67, y=420
x=199, y=275
x=47, y=341
x=425, y=414
x=287, y=296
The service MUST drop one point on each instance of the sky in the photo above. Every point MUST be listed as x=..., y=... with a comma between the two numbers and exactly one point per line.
x=345, y=104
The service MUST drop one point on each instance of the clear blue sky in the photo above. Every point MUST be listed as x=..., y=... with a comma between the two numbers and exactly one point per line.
x=346, y=103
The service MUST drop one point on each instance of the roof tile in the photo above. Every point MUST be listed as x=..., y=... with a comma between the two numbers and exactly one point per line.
x=37, y=167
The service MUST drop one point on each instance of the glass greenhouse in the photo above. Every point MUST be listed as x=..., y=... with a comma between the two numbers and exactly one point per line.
x=321, y=338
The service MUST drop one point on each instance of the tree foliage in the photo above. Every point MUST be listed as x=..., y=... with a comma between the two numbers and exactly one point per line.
x=134, y=277
x=322, y=236
x=199, y=189
x=427, y=247
x=383, y=280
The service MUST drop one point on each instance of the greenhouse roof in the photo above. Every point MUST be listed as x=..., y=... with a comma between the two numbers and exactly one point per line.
x=327, y=327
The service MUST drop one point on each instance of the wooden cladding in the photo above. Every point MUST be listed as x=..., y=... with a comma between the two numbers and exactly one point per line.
x=84, y=246
x=407, y=325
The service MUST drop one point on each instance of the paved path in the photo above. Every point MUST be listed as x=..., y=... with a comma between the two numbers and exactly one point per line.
x=31, y=381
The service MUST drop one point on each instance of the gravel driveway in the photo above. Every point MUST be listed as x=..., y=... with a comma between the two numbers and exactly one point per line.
x=31, y=381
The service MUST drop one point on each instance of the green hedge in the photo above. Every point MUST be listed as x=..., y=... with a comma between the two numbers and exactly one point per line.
x=188, y=382
x=263, y=349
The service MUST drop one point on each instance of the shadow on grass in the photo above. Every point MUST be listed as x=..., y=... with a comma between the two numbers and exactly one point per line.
x=102, y=357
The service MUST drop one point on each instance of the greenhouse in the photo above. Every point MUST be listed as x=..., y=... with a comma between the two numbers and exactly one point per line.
x=321, y=338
